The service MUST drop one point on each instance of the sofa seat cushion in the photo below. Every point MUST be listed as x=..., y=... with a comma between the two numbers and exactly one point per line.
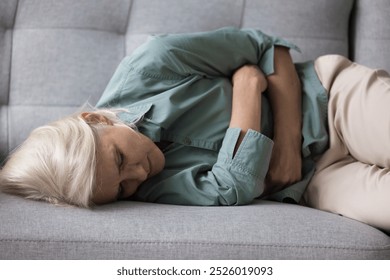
x=135, y=230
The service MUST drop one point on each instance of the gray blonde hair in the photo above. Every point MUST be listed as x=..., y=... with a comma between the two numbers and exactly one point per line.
x=57, y=162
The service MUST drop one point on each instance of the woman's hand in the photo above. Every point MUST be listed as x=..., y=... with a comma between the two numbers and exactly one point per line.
x=247, y=74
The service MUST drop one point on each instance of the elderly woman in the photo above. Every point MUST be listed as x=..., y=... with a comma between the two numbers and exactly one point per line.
x=188, y=119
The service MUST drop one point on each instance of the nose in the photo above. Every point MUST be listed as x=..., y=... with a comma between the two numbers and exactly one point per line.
x=136, y=172
x=132, y=178
x=142, y=174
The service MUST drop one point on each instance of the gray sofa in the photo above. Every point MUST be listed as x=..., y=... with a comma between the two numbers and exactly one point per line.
x=57, y=54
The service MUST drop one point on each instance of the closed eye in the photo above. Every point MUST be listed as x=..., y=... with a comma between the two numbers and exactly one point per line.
x=120, y=160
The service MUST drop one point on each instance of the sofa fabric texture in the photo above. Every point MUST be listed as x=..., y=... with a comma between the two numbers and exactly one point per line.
x=56, y=55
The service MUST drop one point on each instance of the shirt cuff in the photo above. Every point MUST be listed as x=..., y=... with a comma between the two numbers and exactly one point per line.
x=252, y=157
x=267, y=60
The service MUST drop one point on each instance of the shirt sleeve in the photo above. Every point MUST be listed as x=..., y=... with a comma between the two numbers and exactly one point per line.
x=214, y=53
x=242, y=176
x=168, y=61
x=232, y=180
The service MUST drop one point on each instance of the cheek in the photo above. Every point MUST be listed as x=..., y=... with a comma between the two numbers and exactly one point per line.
x=104, y=191
x=157, y=162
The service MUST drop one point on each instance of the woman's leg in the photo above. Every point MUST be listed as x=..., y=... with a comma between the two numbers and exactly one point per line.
x=353, y=189
x=353, y=175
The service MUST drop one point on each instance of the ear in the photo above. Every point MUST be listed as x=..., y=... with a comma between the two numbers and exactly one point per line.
x=94, y=118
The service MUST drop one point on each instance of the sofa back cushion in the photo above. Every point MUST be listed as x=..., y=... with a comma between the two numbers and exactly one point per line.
x=370, y=33
x=56, y=55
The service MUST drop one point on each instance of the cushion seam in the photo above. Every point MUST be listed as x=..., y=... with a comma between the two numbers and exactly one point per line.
x=198, y=243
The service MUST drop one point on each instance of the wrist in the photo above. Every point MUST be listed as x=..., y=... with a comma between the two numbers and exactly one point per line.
x=288, y=141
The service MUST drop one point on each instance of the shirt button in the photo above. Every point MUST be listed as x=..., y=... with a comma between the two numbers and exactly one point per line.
x=187, y=141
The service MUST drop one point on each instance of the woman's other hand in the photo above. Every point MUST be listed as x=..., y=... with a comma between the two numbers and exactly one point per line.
x=285, y=166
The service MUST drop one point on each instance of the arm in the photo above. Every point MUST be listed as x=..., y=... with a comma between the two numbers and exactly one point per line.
x=238, y=175
x=248, y=84
x=211, y=54
x=178, y=57
x=234, y=179
x=284, y=93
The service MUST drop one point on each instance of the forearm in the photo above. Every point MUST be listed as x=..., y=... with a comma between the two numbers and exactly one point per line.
x=246, y=108
x=284, y=92
x=248, y=84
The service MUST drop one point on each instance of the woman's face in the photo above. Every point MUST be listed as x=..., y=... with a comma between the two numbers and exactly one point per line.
x=125, y=158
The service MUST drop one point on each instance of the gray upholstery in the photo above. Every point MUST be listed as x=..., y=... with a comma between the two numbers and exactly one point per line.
x=264, y=230
x=57, y=54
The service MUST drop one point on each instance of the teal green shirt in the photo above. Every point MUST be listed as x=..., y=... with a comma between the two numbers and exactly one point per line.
x=179, y=87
